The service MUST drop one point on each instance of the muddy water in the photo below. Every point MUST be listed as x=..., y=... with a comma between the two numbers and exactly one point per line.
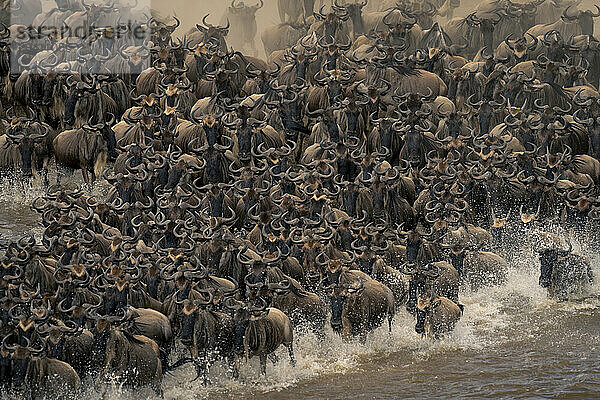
x=512, y=342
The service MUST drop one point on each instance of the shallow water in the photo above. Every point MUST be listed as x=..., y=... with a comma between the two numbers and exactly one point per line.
x=512, y=342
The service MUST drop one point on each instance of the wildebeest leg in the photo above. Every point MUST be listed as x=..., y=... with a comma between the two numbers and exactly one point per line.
x=362, y=339
x=157, y=385
x=85, y=175
x=235, y=373
x=45, y=177
x=390, y=318
x=205, y=363
x=164, y=356
x=263, y=364
x=291, y=353
x=60, y=170
x=274, y=358
x=42, y=168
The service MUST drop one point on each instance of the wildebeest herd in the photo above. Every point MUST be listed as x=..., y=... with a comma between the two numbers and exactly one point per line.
x=377, y=162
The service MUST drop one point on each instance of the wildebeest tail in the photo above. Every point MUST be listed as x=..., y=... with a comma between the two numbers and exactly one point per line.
x=462, y=308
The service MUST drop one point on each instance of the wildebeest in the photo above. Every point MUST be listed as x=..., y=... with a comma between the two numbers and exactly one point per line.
x=439, y=277
x=259, y=331
x=563, y=272
x=207, y=334
x=480, y=268
x=243, y=25
x=38, y=376
x=133, y=359
x=282, y=36
x=300, y=306
x=392, y=278
x=161, y=32
x=436, y=315
x=87, y=148
x=24, y=147
x=360, y=307
x=571, y=23
x=87, y=101
x=207, y=33
x=155, y=326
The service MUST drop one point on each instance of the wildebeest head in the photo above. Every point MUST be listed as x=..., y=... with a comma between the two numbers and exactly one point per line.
x=332, y=21
x=36, y=88
x=108, y=135
x=168, y=121
x=101, y=331
x=519, y=47
x=161, y=32
x=243, y=316
x=246, y=13
x=76, y=92
x=48, y=89
x=548, y=259
x=455, y=124
x=355, y=13
x=99, y=15
x=255, y=282
x=486, y=24
x=21, y=359
x=524, y=13
x=420, y=280
x=211, y=33
x=485, y=111
x=311, y=249
x=399, y=23
x=425, y=303
x=338, y=296
x=585, y=19
x=38, y=69
x=555, y=46
x=246, y=139
x=190, y=313
x=334, y=81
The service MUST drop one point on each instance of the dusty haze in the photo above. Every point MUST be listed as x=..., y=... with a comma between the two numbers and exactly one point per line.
x=191, y=12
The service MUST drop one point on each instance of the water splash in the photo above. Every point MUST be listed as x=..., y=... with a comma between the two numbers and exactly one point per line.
x=493, y=317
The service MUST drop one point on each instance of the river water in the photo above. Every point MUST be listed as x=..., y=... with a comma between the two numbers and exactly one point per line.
x=512, y=342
